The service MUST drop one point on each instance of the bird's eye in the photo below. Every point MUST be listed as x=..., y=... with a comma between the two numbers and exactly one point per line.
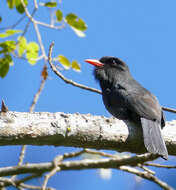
x=113, y=62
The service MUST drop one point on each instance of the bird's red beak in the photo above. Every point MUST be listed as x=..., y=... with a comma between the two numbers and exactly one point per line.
x=94, y=62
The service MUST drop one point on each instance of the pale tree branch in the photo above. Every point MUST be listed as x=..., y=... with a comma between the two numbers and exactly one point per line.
x=26, y=186
x=56, y=168
x=147, y=176
x=36, y=29
x=77, y=130
x=160, y=165
x=146, y=169
x=58, y=164
x=78, y=164
x=4, y=182
x=38, y=22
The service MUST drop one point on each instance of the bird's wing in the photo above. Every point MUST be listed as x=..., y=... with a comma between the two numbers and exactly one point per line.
x=144, y=104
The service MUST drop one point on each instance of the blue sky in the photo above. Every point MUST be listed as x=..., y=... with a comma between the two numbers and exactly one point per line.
x=142, y=33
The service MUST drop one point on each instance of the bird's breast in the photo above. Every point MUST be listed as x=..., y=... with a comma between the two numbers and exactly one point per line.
x=114, y=101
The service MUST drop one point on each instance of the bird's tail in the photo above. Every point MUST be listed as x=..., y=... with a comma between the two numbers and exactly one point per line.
x=153, y=139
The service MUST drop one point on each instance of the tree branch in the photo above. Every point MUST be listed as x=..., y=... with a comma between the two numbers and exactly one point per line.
x=66, y=80
x=77, y=165
x=146, y=175
x=77, y=130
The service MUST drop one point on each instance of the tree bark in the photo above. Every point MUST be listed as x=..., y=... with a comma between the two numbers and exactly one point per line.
x=77, y=130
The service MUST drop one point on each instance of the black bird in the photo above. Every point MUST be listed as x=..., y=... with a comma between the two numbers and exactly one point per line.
x=126, y=99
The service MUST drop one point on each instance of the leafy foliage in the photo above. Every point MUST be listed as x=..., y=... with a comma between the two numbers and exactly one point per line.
x=76, y=66
x=4, y=65
x=32, y=50
x=9, y=33
x=67, y=64
x=7, y=46
x=64, y=61
x=59, y=15
x=76, y=24
x=50, y=4
x=17, y=3
x=22, y=45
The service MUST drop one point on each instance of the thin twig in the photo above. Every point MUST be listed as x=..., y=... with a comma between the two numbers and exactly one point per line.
x=169, y=109
x=100, y=153
x=35, y=4
x=38, y=22
x=56, y=161
x=73, y=154
x=36, y=96
x=159, y=165
x=31, y=109
x=28, y=23
x=8, y=182
x=48, y=176
x=56, y=168
x=146, y=175
x=36, y=29
x=14, y=25
x=22, y=154
x=27, y=178
x=40, y=41
x=68, y=81
x=27, y=186
x=146, y=169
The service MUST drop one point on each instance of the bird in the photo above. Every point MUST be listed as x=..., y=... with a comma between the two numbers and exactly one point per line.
x=126, y=99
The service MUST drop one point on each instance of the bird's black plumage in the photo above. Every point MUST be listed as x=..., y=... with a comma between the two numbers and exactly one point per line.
x=126, y=99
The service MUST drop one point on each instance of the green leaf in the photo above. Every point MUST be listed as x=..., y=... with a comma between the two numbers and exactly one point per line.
x=22, y=45
x=4, y=65
x=0, y=19
x=50, y=4
x=76, y=66
x=11, y=3
x=9, y=33
x=7, y=46
x=32, y=52
x=64, y=61
x=19, y=6
x=59, y=15
x=76, y=22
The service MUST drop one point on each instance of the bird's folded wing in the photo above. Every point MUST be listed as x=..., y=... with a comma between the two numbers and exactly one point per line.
x=145, y=105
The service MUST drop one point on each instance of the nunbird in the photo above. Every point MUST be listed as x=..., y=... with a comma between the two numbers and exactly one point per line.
x=126, y=99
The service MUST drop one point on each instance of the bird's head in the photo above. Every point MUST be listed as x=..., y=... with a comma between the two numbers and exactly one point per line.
x=108, y=68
